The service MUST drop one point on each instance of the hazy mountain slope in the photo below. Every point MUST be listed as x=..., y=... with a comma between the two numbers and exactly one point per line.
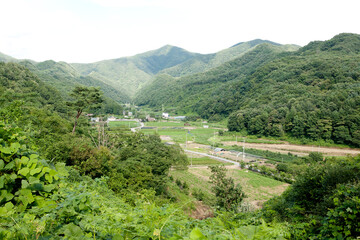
x=6, y=58
x=131, y=73
x=202, y=63
x=64, y=77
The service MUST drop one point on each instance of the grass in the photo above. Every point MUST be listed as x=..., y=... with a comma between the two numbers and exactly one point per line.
x=200, y=135
x=255, y=186
x=164, y=124
x=123, y=124
x=195, y=182
x=204, y=161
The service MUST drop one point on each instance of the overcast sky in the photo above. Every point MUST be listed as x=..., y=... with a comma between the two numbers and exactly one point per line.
x=94, y=30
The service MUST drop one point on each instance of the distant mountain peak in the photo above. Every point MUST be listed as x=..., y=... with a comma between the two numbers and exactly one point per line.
x=255, y=42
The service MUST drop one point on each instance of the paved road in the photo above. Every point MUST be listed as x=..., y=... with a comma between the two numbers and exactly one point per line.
x=136, y=128
x=213, y=157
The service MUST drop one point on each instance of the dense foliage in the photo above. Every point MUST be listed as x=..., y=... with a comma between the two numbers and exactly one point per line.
x=323, y=201
x=313, y=93
x=201, y=93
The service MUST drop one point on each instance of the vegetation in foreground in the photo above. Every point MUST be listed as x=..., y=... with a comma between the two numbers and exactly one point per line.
x=114, y=185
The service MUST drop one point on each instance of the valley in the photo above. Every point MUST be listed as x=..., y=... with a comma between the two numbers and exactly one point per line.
x=257, y=141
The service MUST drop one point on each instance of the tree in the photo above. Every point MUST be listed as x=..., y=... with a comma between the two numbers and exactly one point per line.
x=85, y=97
x=228, y=195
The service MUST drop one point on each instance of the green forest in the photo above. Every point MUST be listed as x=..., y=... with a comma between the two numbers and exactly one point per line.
x=312, y=93
x=63, y=177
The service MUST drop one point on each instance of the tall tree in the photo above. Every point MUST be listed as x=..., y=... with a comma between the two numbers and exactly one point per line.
x=85, y=98
x=228, y=195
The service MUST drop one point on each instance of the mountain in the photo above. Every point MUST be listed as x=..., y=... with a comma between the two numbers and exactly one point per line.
x=132, y=73
x=190, y=92
x=120, y=79
x=312, y=93
x=202, y=63
x=65, y=77
x=6, y=58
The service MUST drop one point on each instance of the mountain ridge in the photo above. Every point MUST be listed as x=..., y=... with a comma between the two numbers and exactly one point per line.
x=129, y=74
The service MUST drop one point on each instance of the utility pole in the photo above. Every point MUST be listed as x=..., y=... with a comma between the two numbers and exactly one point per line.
x=244, y=150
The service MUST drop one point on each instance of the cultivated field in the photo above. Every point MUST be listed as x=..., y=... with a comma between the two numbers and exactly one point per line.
x=301, y=150
x=257, y=187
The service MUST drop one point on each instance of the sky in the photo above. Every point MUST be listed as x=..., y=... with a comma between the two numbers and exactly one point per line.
x=84, y=31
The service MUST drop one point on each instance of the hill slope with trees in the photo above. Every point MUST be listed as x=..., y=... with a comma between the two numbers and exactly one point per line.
x=311, y=93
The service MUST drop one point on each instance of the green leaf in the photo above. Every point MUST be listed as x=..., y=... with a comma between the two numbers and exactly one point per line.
x=49, y=187
x=46, y=169
x=6, y=150
x=15, y=147
x=35, y=170
x=10, y=165
x=6, y=195
x=24, y=184
x=1, y=164
x=34, y=157
x=24, y=160
x=9, y=206
x=49, y=178
x=26, y=193
x=61, y=169
x=24, y=171
x=2, y=181
x=13, y=176
x=197, y=235
x=33, y=180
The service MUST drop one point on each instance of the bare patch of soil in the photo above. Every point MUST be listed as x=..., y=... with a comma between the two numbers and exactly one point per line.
x=301, y=150
x=201, y=211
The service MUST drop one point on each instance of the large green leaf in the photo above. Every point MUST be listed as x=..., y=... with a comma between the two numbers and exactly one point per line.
x=35, y=170
x=196, y=234
x=24, y=171
x=10, y=165
x=26, y=196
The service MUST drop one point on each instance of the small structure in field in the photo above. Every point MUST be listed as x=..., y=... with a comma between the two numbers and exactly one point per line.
x=165, y=115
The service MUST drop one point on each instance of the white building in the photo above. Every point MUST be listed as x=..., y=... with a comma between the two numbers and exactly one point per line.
x=165, y=115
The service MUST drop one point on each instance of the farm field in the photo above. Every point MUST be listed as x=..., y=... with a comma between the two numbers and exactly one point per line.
x=301, y=150
x=123, y=124
x=257, y=188
x=195, y=133
x=195, y=160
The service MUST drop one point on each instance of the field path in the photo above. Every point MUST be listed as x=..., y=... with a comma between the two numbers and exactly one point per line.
x=213, y=157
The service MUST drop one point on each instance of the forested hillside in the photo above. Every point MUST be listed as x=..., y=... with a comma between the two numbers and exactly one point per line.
x=131, y=73
x=311, y=93
x=197, y=93
x=203, y=63
x=120, y=79
x=64, y=77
